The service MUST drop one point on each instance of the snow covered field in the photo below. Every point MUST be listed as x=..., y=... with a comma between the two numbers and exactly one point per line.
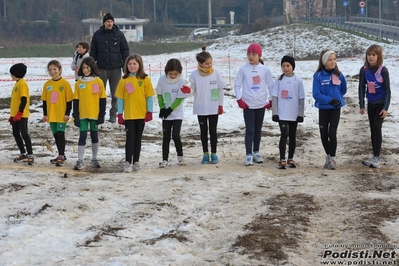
x=223, y=214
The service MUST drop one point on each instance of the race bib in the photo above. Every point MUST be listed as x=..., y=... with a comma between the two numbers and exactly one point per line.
x=284, y=94
x=335, y=80
x=371, y=87
x=167, y=97
x=129, y=87
x=95, y=88
x=54, y=97
x=215, y=94
x=256, y=80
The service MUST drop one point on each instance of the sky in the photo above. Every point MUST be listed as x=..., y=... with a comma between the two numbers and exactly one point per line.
x=47, y=219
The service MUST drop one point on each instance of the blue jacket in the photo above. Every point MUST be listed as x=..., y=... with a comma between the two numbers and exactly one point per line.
x=324, y=90
x=109, y=48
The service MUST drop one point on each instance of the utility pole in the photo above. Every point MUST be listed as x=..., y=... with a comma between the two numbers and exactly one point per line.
x=209, y=17
x=155, y=14
x=5, y=10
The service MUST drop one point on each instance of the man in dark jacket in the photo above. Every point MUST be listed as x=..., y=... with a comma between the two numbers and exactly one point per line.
x=110, y=49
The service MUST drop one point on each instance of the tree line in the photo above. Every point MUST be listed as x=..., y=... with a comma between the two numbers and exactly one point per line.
x=59, y=22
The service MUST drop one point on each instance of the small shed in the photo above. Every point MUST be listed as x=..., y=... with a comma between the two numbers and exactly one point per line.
x=132, y=27
x=220, y=20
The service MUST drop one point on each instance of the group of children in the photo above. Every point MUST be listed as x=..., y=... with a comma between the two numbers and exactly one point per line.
x=254, y=89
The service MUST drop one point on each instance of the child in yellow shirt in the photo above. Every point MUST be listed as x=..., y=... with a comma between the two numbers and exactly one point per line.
x=89, y=102
x=19, y=113
x=57, y=99
x=135, y=106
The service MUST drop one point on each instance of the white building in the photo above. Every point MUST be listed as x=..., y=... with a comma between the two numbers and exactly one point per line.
x=131, y=27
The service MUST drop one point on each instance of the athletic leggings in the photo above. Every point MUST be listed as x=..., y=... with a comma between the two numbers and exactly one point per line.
x=203, y=121
x=373, y=111
x=288, y=129
x=134, y=132
x=20, y=133
x=59, y=137
x=253, y=128
x=171, y=129
x=328, y=124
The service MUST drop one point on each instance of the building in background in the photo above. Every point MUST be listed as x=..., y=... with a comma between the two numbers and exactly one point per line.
x=132, y=27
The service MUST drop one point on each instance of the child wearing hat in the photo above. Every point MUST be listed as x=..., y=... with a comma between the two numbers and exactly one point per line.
x=253, y=94
x=288, y=109
x=19, y=113
x=329, y=88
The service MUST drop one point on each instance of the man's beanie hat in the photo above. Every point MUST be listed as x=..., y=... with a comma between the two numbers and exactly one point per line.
x=289, y=59
x=18, y=70
x=255, y=48
x=107, y=17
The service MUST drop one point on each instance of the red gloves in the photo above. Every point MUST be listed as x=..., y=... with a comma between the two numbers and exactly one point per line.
x=10, y=120
x=121, y=121
x=220, y=110
x=268, y=105
x=18, y=116
x=148, y=117
x=242, y=104
x=185, y=89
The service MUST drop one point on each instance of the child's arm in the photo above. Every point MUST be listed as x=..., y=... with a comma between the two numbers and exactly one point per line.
x=21, y=108
x=150, y=104
x=301, y=110
x=75, y=113
x=101, y=115
x=387, y=88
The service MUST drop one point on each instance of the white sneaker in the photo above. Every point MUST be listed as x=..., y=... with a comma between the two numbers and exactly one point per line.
x=163, y=164
x=376, y=162
x=127, y=167
x=136, y=166
x=333, y=164
x=180, y=160
x=257, y=158
x=249, y=160
x=368, y=162
x=327, y=163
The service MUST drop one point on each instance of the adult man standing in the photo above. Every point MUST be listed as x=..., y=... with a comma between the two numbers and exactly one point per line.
x=110, y=49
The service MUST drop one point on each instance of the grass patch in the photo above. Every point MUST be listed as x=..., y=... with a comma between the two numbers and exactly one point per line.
x=67, y=50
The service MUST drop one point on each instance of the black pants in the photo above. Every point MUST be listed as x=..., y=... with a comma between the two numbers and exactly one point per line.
x=20, y=133
x=373, y=111
x=213, y=123
x=171, y=129
x=288, y=130
x=134, y=132
x=328, y=125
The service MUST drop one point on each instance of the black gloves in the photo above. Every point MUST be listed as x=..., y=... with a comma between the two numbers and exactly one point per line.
x=164, y=113
x=334, y=102
x=161, y=112
x=299, y=119
x=275, y=118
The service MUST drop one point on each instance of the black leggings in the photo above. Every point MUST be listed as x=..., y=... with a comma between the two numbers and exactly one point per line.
x=134, y=132
x=171, y=129
x=213, y=123
x=60, y=142
x=328, y=125
x=288, y=129
x=20, y=133
x=373, y=111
